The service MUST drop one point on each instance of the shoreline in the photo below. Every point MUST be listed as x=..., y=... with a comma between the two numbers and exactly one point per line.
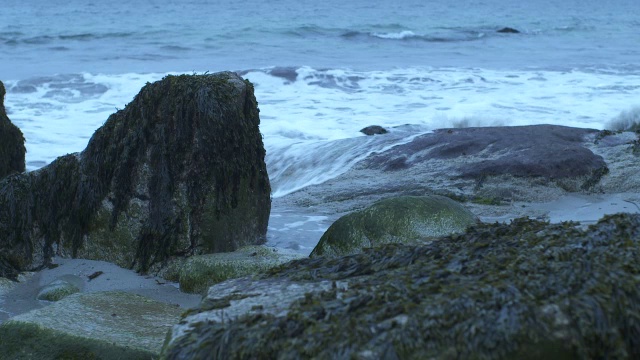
x=286, y=225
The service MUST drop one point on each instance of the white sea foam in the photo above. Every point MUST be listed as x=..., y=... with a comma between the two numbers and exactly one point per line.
x=396, y=35
x=302, y=119
x=627, y=120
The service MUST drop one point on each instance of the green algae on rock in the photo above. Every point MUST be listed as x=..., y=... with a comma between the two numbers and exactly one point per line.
x=199, y=272
x=403, y=219
x=57, y=290
x=102, y=325
x=525, y=290
x=12, y=148
x=179, y=171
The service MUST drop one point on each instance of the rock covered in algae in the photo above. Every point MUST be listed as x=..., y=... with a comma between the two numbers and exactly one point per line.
x=57, y=290
x=101, y=325
x=179, y=171
x=12, y=148
x=526, y=290
x=197, y=273
x=402, y=219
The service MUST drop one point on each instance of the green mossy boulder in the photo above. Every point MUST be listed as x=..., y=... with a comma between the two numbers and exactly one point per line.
x=179, y=171
x=103, y=325
x=197, y=273
x=12, y=148
x=57, y=290
x=404, y=219
x=525, y=290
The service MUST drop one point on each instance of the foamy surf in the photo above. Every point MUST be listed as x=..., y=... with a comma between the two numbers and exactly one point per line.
x=305, y=110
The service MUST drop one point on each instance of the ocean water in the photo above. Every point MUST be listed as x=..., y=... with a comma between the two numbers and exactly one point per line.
x=324, y=69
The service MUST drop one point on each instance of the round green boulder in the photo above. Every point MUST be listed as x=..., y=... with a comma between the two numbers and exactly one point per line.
x=405, y=219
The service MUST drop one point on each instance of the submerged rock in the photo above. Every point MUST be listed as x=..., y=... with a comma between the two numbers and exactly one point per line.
x=179, y=171
x=508, y=30
x=404, y=219
x=12, y=148
x=526, y=290
x=102, y=325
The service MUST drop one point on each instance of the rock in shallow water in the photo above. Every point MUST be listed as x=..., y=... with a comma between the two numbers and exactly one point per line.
x=179, y=171
x=527, y=290
x=404, y=219
x=374, y=130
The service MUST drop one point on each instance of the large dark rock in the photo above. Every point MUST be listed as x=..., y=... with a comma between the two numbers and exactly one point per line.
x=548, y=151
x=489, y=165
x=12, y=148
x=527, y=290
x=179, y=171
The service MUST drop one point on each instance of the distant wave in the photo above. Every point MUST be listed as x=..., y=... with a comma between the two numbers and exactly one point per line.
x=14, y=38
x=176, y=48
x=408, y=35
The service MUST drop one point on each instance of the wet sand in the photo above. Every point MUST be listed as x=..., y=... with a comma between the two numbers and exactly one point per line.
x=18, y=298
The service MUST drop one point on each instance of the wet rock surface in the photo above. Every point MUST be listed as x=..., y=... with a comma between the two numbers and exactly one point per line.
x=484, y=168
x=525, y=290
x=12, y=148
x=179, y=171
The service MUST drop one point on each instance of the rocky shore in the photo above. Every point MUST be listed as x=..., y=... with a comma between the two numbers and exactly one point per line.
x=413, y=263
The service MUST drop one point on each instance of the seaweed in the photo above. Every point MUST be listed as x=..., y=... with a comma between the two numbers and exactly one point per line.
x=186, y=152
x=12, y=148
x=524, y=290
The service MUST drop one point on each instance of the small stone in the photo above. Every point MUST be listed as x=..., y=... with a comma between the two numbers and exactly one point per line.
x=374, y=130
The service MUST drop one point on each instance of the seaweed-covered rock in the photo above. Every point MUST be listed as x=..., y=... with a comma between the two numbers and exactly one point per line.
x=403, y=219
x=12, y=148
x=197, y=273
x=525, y=290
x=179, y=171
x=57, y=290
x=101, y=325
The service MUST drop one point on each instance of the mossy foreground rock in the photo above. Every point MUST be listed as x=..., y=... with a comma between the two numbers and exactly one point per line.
x=103, y=325
x=528, y=290
x=199, y=272
x=12, y=148
x=179, y=171
x=404, y=219
x=57, y=290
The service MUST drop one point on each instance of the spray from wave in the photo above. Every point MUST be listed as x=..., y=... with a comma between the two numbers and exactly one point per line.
x=628, y=120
